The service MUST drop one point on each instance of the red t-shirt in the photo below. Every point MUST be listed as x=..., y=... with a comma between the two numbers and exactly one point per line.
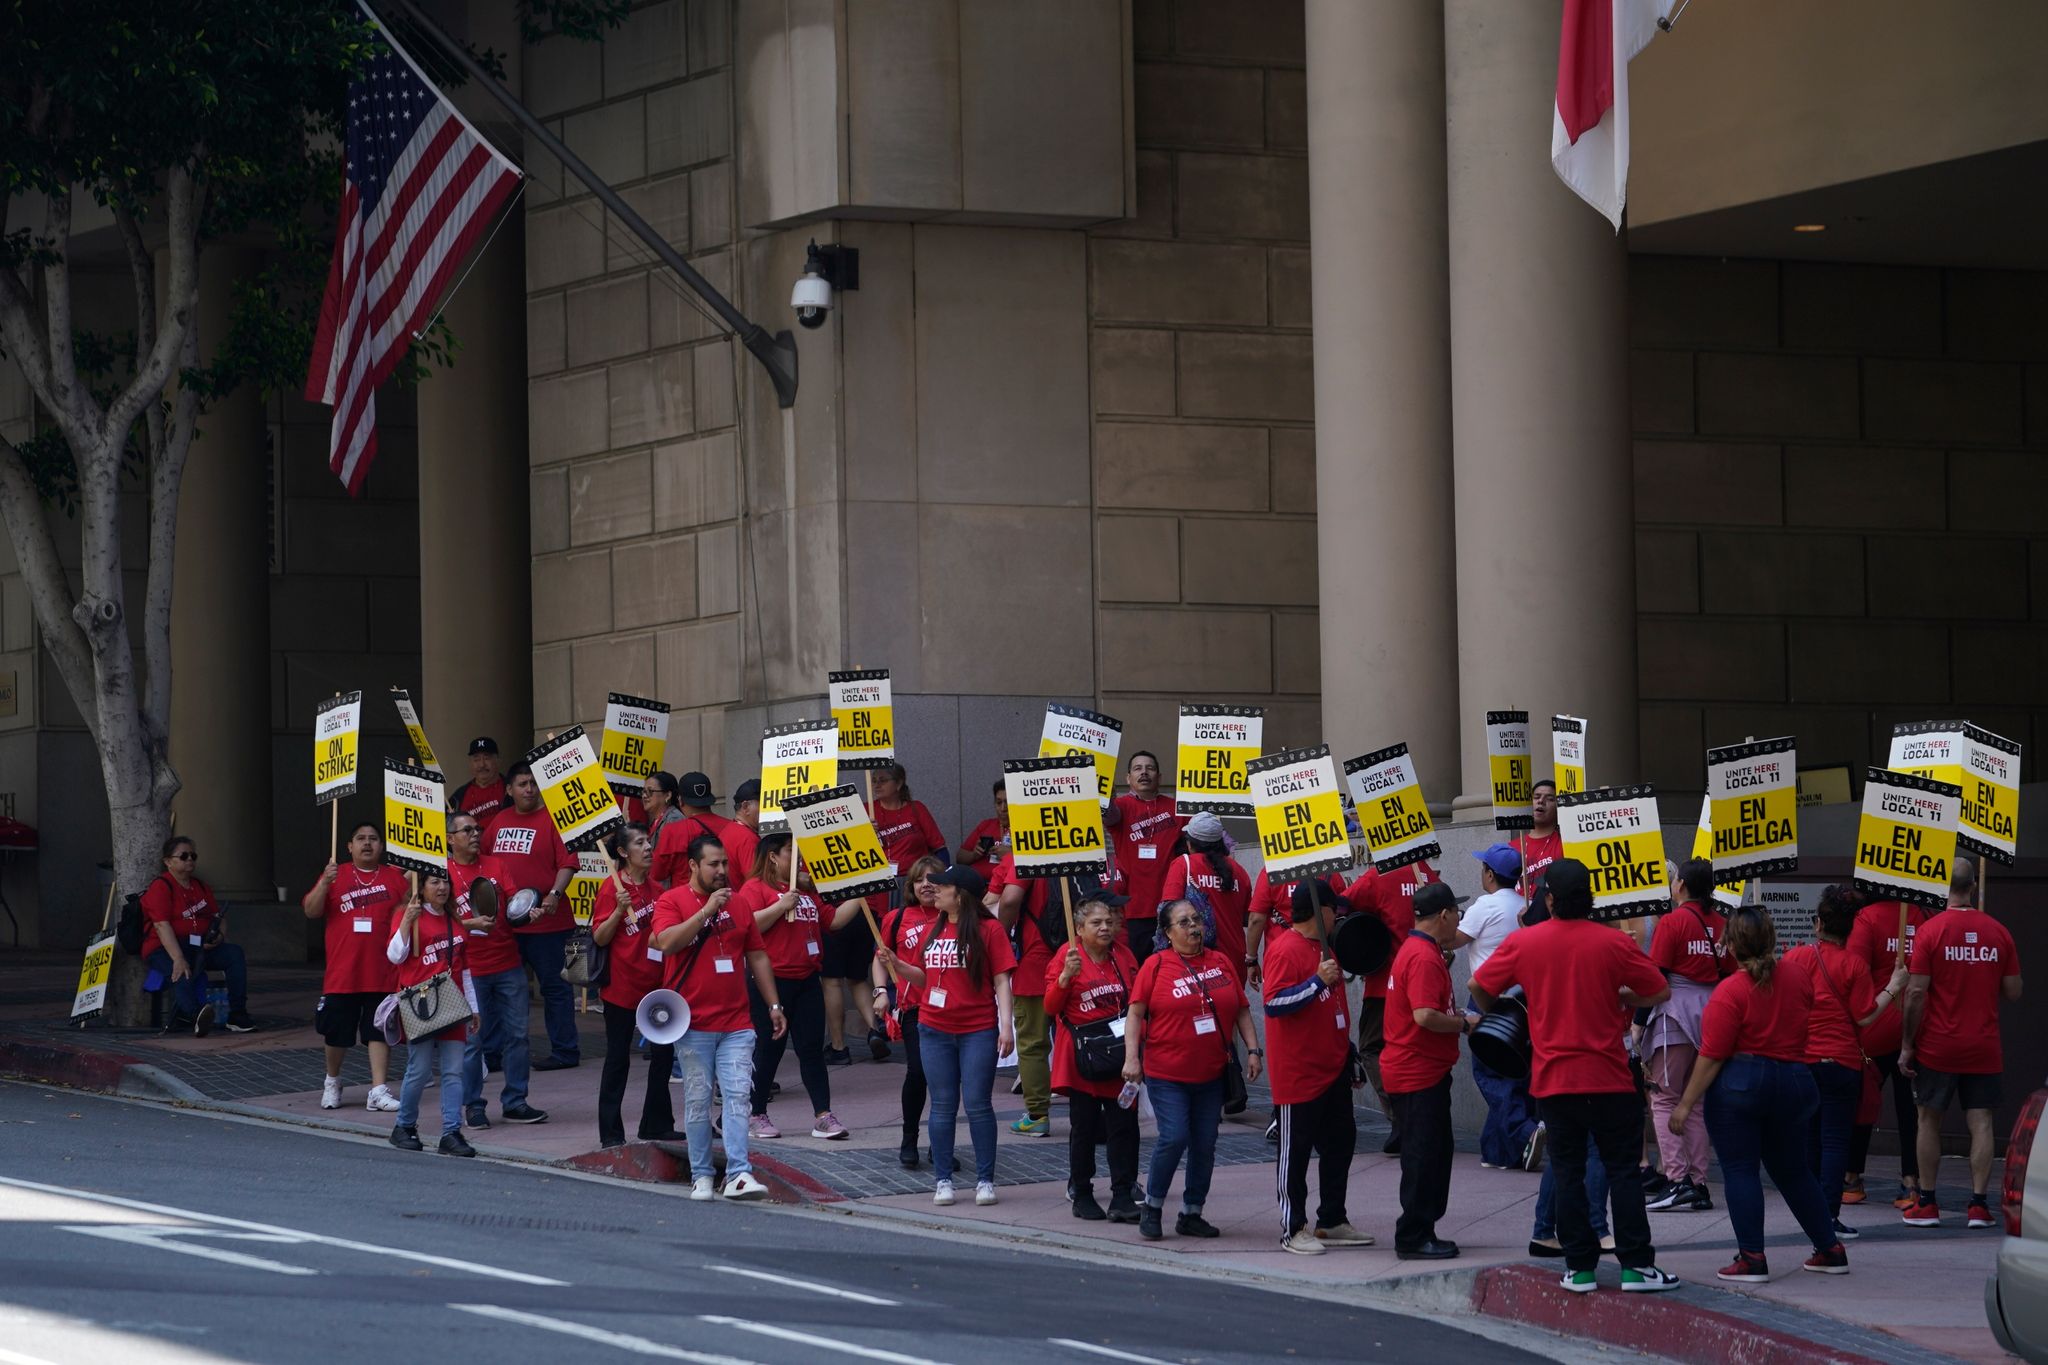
x=1146, y=832
x=1306, y=1048
x=716, y=986
x=953, y=1002
x=1391, y=896
x=1538, y=852
x=531, y=853
x=905, y=931
x=741, y=843
x=1572, y=971
x=1191, y=1008
x=1275, y=903
x=1102, y=991
x=990, y=829
x=1230, y=906
x=189, y=910
x=797, y=939
x=1768, y=1021
x=360, y=908
x=1032, y=951
x=907, y=833
x=1416, y=1058
x=494, y=949
x=1688, y=943
x=1875, y=935
x=634, y=963
x=482, y=802
x=1842, y=994
x=672, y=849
x=1966, y=956
x=437, y=945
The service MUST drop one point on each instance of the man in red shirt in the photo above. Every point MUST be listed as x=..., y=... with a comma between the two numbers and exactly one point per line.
x=742, y=834
x=1391, y=897
x=522, y=838
x=1308, y=1042
x=1146, y=831
x=1542, y=845
x=988, y=841
x=495, y=969
x=1423, y=1028
x=695, y=799
x=484, y=794
x=1964, y=963
x=356, y=901
x=1582, y=981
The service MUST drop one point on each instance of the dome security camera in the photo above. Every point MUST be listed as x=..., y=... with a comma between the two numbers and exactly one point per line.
x=827, y=270
x=812, y=299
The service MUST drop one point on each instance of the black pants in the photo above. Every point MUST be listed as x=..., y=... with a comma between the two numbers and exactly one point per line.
x=803, y=1007
x=1609, y=1129
x=657, y=1116
x=914, y=1091
x=1424, y=1119
x=1092, y=1120
x=1903, y=1111
x=1141, y=932
x=1322, y=1127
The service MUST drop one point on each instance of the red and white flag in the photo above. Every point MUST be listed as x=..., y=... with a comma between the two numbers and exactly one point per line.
x=419, y=187
x=1589, y=125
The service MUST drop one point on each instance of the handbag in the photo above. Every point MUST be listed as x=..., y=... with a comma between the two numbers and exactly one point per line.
x=434, y=1004
x=585, y=961
x=1099, y=1047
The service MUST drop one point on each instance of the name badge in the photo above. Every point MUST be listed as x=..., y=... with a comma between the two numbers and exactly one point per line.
x=1205, y=1023
x=363, y=926
x=722, y=965
x=936, y=999
x=811, y=947
x=1340, y=1023
x=654, y=954
x=1116, y=1028
x=1147, y=853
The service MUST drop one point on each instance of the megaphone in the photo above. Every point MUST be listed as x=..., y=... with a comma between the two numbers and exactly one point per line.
x=663, y=1017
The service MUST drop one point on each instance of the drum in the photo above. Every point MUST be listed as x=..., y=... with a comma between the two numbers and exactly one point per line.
x=1361, y=943
x=1500, y=1041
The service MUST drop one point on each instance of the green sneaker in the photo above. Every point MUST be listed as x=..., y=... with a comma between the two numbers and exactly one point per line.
x=1031, y=1127
x=1579, y=1281
x=1648, y=1280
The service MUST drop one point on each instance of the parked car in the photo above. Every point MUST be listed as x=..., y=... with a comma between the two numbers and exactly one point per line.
x=2016, y=1298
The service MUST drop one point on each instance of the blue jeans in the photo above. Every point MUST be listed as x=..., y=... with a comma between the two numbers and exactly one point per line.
x=1546, y=1201
x=545, y=953
x=1510, y=1116
x=1758, y=1111
x=422, y=1059
x=225, y=958
x=1189, y=1115
x=501, y=1001
x=731, y=1057
x=1834, y=1127
x=960, y=1068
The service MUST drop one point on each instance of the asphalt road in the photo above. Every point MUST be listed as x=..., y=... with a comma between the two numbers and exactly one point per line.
x=133, y=1233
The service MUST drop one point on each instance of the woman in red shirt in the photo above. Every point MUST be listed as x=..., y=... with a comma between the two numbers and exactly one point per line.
x=1760, y=1096
x=1201, y=862
x=427, y=940
x=1185, y=1005
x=185, y=935
x=1087, y=986
x=904, y=932
x=620, y=921
x=1687, y=949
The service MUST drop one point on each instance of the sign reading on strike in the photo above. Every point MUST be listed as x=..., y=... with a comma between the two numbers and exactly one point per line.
x=1614, y=831
x=635, y=738
x=865, y=713
x=1216, y=744
x=1070, y=730
x=1508, y=769
x=802, y=756
x=409, y=717
x=573, y=788
x=1299, y=805
x=1753, y=808
x=415, y=818
x=1985, y=766
x=1568, y=753
x=593, y=866
x=1055, y=815
x=838, y=844
x=1729, y=894
x=1388, y=797
x=92, y=977
x=1906, y=840
x=337, y=723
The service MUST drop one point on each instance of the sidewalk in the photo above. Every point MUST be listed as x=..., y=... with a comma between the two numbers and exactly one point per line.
x=1881, y=1312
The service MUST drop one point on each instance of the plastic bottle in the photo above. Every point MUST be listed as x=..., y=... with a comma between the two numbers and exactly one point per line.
x=1128, y=1096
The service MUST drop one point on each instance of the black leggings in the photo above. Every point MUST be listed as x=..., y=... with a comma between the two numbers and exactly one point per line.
x=914, y=1089
x=657, y=1115
x=1903, y=1110
x=803, y=1006
x=1093, y=1119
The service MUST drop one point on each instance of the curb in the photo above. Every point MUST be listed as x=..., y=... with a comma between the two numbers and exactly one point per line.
x=86, y=1068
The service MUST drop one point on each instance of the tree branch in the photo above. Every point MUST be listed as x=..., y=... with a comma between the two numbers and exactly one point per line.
x=20, y=326
x=142, y=273
x=185, y=202
x=48, y=589
x=68, y=401
x=166, y=480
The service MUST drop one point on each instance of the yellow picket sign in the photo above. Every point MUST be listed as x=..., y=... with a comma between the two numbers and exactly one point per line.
x=1906, y=838
x=797, y=757
x=1753, y=807
x=1568, y=753
x=1703, y=847
x=1216, y=744
x=1055, y=815
x=415, y=818
x=633, y=743
x=415, y=729
x=1616, y=833
x=337, y=723
x=838, y=844
x=1387, y=794
x=1299, y=806
x=573, y=788
x=1071, y=730
x=1984, y=765
x=1509, y=770
x=864, y=713
x=92, y=977
x=592, y=868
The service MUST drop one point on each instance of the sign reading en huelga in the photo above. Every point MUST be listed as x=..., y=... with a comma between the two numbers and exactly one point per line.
x=1055, y=815
x=1906, y=840
x=1568, y=753
x=1614, y=831
x=634, y=740
x=838, y=844
x=337, y=723
x=1299, y=805
x=1388, y=797
x=1729, y=894
x=1753, y=808
x=415, y=818
x=1984, y=765
x=1216, y=742
x=409, y=717
x=801, y=756
x=592, y=867
x=92, y=977
x=1070, y=730
x=1508, y=769
x=574, y=790
x=865, y=713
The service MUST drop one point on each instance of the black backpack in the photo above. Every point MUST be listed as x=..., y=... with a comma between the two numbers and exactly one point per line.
x=128, y=934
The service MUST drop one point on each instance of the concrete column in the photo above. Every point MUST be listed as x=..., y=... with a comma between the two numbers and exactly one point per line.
x=1539, y=408
x=220, y=619
x=1382, y=372
x=476, y=657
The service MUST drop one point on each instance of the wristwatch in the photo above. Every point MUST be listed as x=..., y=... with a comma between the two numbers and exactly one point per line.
x=1255, y=1052
x=776, y=1008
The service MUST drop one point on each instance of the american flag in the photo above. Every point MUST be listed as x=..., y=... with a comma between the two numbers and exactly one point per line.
x=419, y=187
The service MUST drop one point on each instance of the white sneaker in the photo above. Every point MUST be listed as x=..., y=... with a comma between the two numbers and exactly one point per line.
x=1302, y=1242
x=701, y=1189
x=744, y=1186
x=942, y=1193
x=985, y=1192
x=330, y=1093
x=382, y=1100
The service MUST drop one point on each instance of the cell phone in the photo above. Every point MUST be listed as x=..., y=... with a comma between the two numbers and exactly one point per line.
x=987, y=843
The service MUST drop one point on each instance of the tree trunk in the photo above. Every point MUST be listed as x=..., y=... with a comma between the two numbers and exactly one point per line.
x=139, y=832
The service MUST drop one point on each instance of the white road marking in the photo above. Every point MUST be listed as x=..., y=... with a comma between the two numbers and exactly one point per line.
x=621, y=1340
x=291, y=1234
x=806, y=1339
x=1113, y=1354
x=17, y=1358
x=159, y=1238
x=806, y=1285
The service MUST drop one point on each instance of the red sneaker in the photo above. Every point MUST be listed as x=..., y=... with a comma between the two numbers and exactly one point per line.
x=1852, y=1189
x=1833, y=1261
x=1746, y=1269
x=1924, y=1214
x=1980, y=1215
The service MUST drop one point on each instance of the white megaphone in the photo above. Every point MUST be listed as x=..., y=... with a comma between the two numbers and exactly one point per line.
x=663, y=1017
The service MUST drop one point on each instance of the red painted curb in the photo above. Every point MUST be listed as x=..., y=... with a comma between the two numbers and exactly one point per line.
x=635, y=1161
x=788, y=1185
x=1659, y=1324
x=81, y=1068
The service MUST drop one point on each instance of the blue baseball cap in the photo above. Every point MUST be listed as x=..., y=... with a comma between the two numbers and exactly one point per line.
x=1505, y=863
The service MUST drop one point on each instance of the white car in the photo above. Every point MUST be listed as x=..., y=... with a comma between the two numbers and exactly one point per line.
x=2016, y=1298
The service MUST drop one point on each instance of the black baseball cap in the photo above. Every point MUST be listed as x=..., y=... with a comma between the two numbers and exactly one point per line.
x=1433, y=898
x=749, y=790
x=483, y=744
x=695, y=789
x=965, y=878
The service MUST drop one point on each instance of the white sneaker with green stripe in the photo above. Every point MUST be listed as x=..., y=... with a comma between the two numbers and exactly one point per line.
x=1647, y=1280
x=1580, y=1281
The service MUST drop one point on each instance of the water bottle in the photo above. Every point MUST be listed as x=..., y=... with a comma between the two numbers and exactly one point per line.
x=1128, y=1096
x=218, y=997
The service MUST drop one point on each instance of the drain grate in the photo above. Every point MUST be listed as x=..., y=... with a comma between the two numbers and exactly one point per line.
x=521, y=1223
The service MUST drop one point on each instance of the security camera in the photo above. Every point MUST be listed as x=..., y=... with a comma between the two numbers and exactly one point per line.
x=827, y=269
x=812, y=299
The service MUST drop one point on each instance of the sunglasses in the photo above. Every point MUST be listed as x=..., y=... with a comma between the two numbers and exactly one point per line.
x=186, y=857
x=466, y=829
